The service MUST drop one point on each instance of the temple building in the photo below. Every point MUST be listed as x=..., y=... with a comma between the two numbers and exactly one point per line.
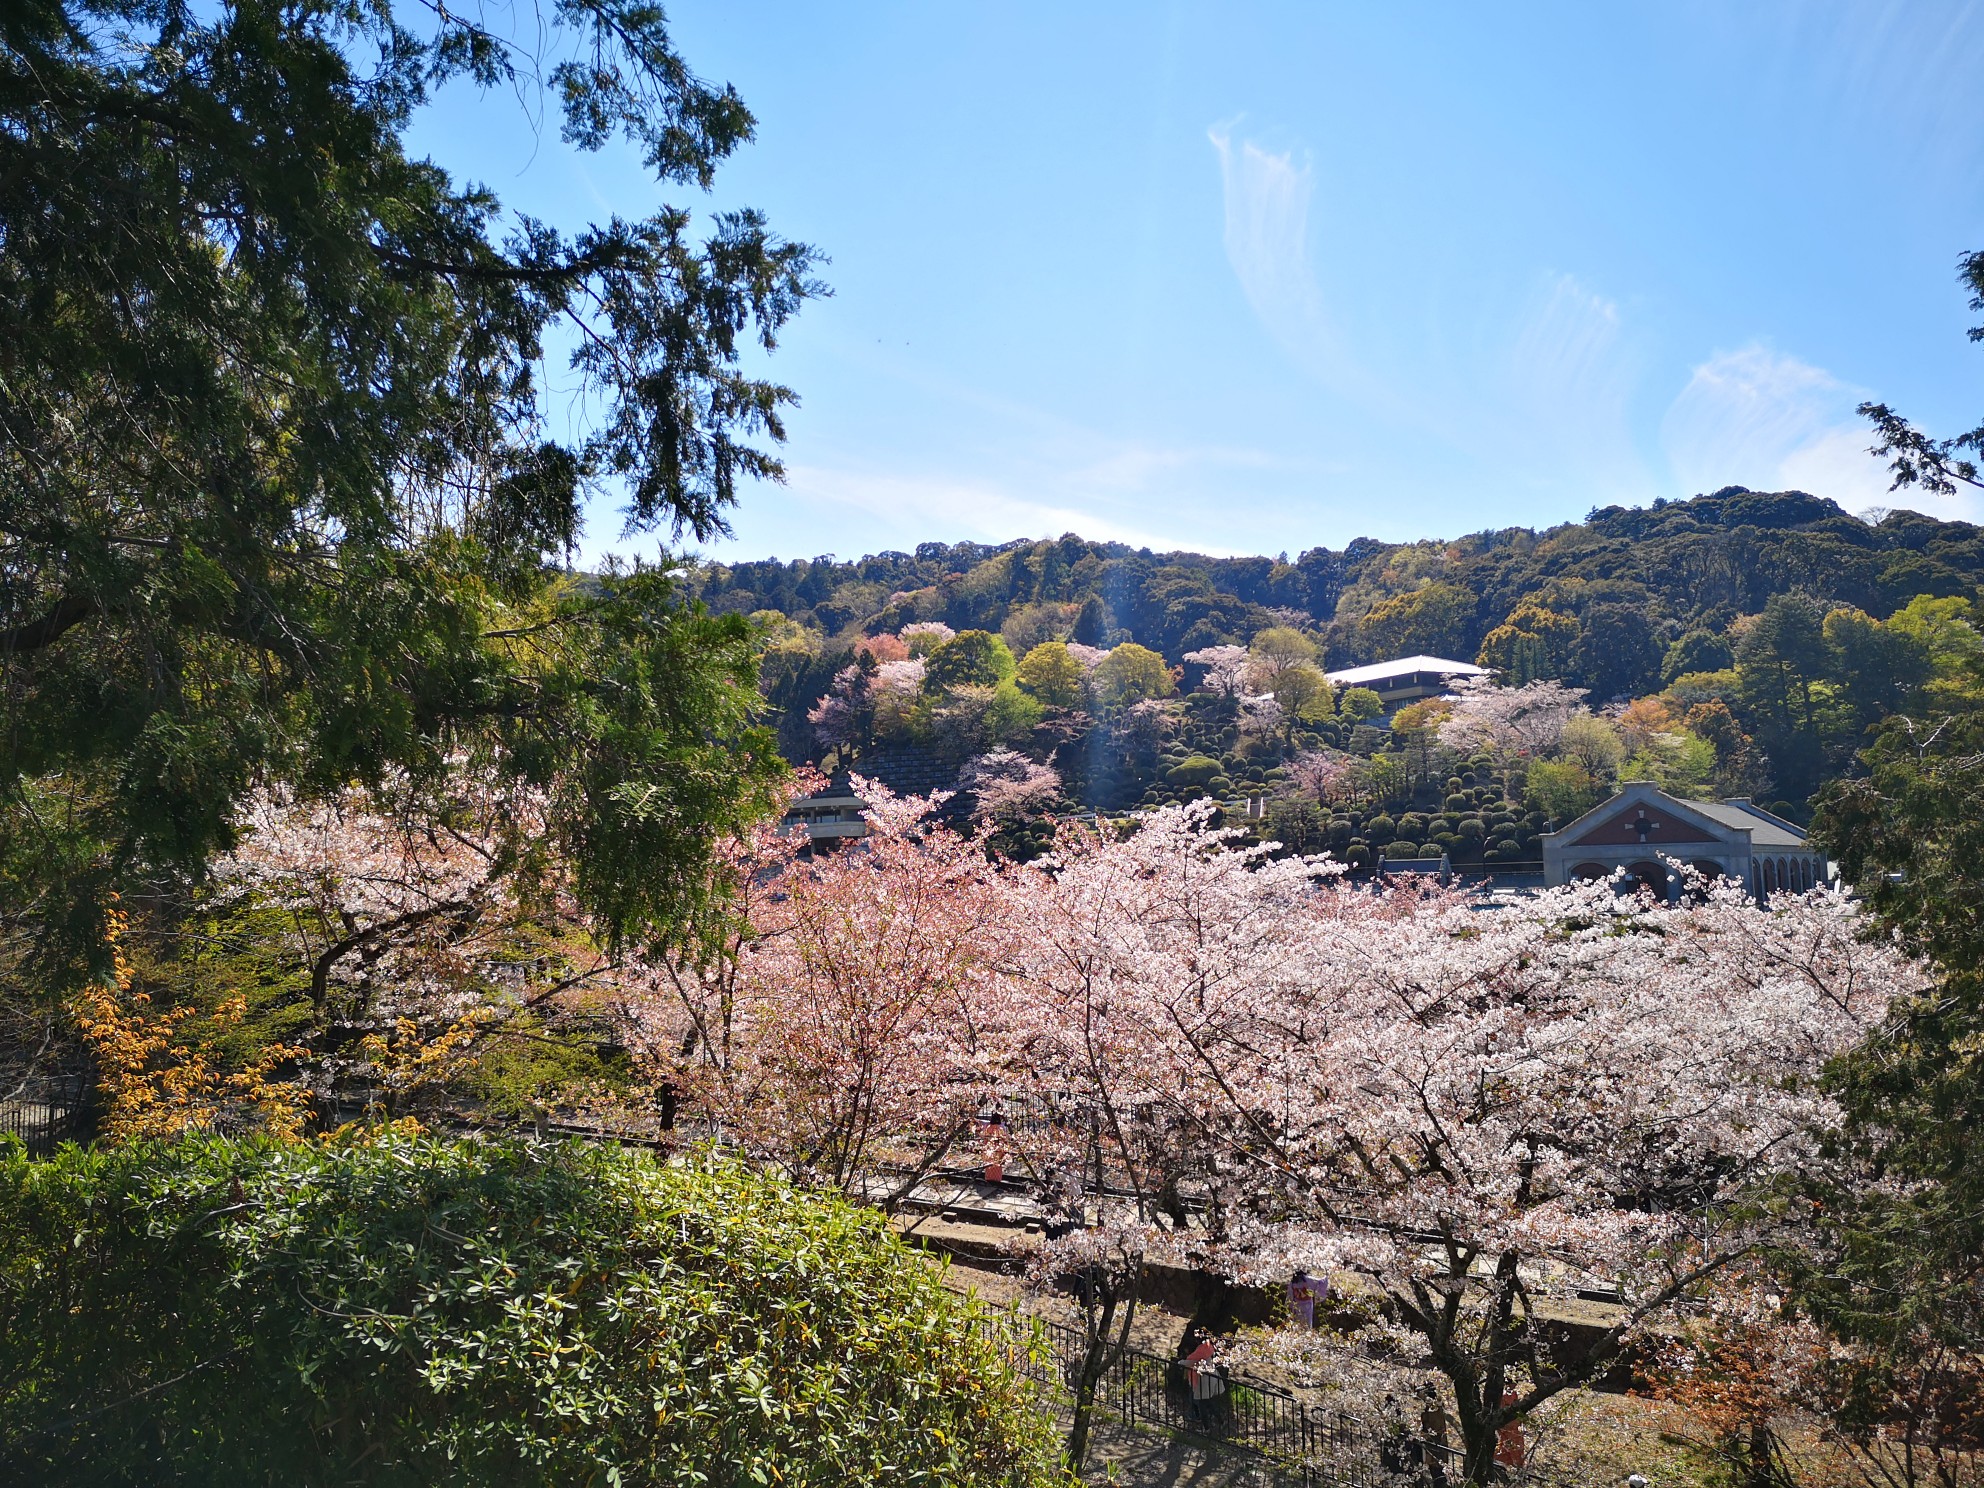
x=1642, y=825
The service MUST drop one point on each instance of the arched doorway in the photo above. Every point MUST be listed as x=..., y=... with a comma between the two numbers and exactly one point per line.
x=1586, y=872
x=1650, y=876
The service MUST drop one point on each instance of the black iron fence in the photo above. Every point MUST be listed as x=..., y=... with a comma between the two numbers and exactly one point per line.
x=47, y=1110
x=1310, y=1445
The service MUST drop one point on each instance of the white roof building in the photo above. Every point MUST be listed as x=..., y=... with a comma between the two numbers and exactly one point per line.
x=1406, y=680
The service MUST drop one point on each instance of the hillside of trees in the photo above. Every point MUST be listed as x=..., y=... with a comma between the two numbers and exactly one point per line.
x=1741, y=642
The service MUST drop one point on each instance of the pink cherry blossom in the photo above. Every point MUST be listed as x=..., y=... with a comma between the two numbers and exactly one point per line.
x=1509, y=722
x=1226, y=668
x=1007, y=784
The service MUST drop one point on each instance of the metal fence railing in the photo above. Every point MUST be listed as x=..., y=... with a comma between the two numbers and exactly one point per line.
x=1311, y=1445
x=47, y=1110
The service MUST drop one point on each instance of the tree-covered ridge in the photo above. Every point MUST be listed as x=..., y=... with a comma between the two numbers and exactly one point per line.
x=1675, y=565
x=1775, y=627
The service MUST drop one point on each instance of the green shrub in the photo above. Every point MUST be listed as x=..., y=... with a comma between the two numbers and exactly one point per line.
x=412, y=1311
x=1196, y=769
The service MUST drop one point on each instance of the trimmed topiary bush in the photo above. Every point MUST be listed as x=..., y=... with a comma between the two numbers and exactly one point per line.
x=1196, y=769
x=410, y=1311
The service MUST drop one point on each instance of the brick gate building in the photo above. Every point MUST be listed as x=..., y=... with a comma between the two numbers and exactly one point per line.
x=1642, y=824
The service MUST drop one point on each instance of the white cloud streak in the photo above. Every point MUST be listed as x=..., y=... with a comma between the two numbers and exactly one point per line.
x=1759, y=418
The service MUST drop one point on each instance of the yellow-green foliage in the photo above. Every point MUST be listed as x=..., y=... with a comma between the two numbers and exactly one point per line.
x=1130, y=674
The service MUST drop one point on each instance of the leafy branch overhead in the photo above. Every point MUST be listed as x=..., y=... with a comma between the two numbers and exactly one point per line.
x=282, y=492
x=1936, y=465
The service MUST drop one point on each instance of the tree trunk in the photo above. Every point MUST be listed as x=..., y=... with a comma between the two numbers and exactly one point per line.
x=1478, y=1437
x=1095, y=1361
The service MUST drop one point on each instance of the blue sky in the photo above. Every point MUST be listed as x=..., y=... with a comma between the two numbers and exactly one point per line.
x=1249, y=277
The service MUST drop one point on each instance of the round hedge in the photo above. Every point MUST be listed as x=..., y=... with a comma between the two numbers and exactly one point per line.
x=1196, y=769
x=412, y=1311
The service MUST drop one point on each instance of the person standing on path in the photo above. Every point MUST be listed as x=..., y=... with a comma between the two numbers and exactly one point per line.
x=995, y=1147
x=1510, y=1449
x=1302, y=1298
x=1207, y=1384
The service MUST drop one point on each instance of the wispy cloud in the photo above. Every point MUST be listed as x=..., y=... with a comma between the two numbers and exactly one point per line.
x=1570, y=373
x=1117, y=500
x=1759, y=418
x=1539, y=383
x=1267, y=196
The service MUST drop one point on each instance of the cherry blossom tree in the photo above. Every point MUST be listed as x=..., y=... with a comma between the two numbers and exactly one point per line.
x=1226, y=669
x=1260, y=714
x=1007, y=784
x=924, y=636
x=1323, y=775
x=423, y=922
x=838, y=1022
x=1457, y=1111
x=893, y=693
x=844, y=716
x=1089, y=657
x=1119, y=944
x=1509, y=723
x=884, y=648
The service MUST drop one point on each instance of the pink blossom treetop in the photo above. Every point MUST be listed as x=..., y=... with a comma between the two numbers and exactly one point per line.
x=840, y=1029
x=1130, y=952
x=1509, y=722
x=1323, y=775
x=884, y=648
x=1088, y=657
x=1008, y=784
x=1226, y=668
x=924, y=636
x=844, y=715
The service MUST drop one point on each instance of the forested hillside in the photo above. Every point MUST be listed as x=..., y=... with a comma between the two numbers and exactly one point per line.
x=1782, y=625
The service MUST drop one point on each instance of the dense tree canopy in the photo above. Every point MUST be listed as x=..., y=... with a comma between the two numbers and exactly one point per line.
x=402, y=1311
x=1906, y=1269
x=280, y=490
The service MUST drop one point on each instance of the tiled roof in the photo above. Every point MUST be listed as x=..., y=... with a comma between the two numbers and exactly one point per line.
x=1765, y=830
